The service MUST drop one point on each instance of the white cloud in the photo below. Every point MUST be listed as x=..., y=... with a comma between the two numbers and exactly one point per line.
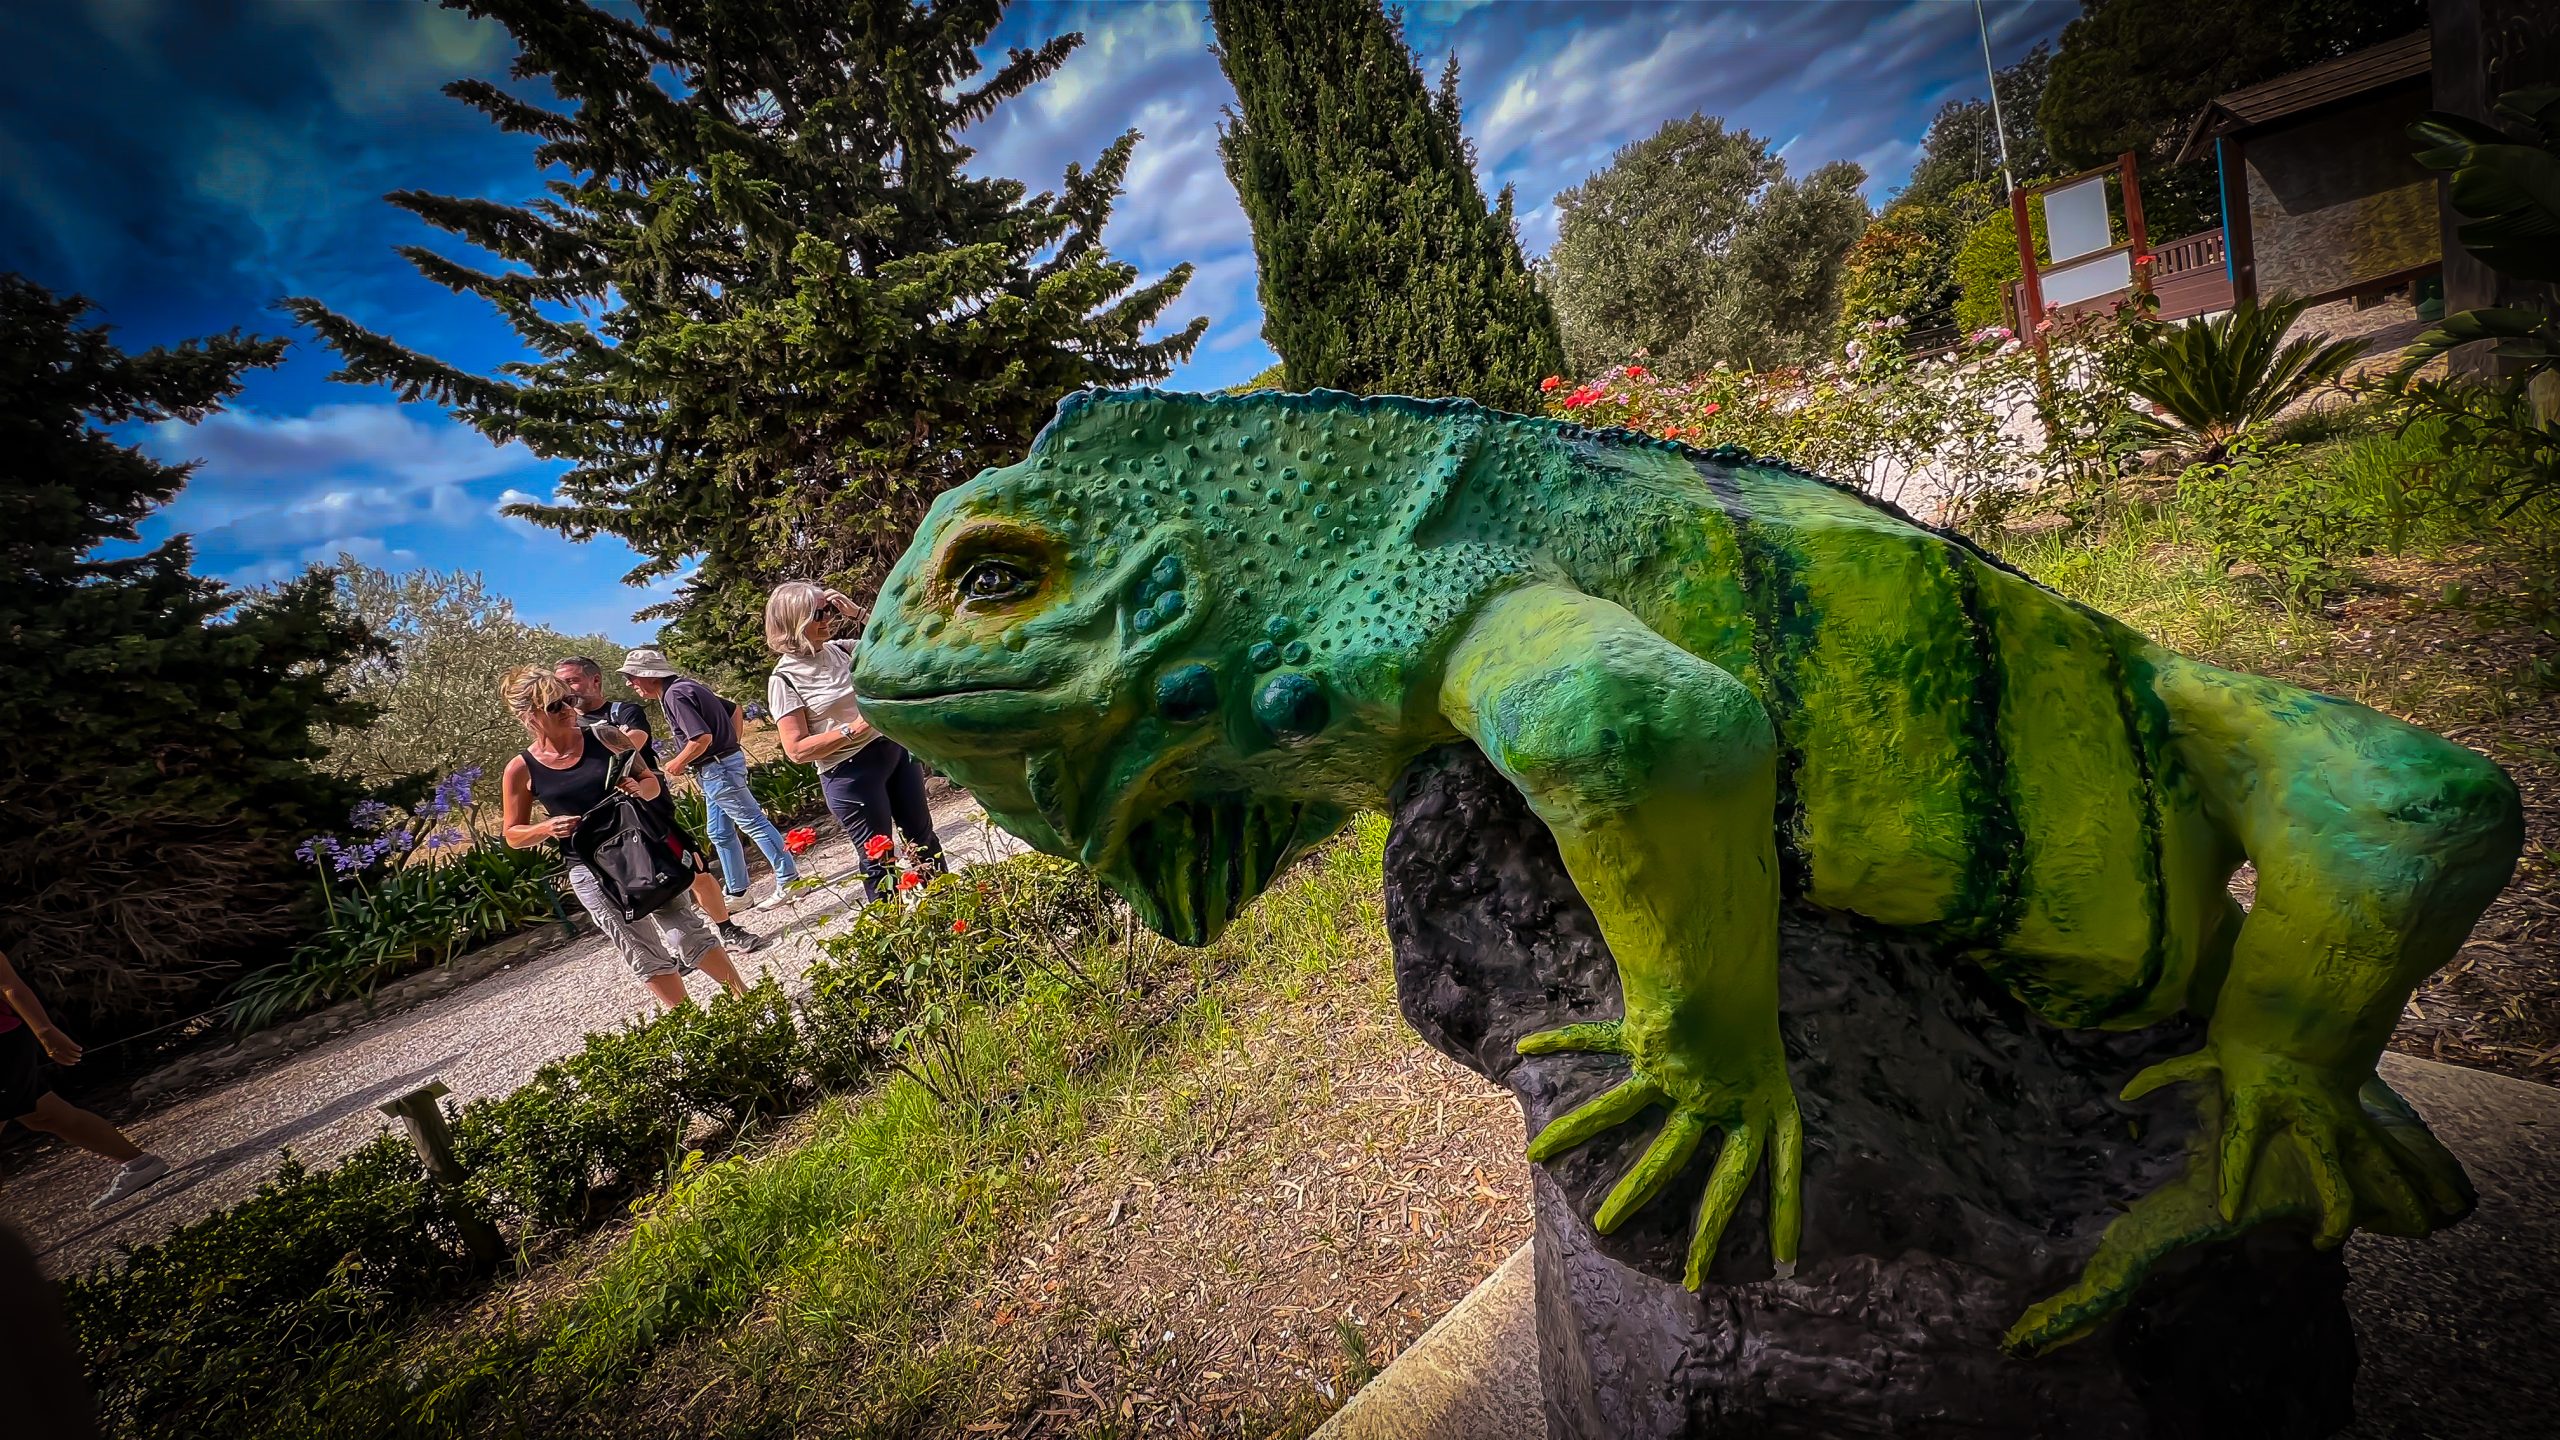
x=512, y=496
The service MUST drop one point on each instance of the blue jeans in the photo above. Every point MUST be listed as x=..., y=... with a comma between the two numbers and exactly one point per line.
x=730, y=807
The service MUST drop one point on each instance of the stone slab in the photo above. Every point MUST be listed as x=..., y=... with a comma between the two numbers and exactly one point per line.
x=2460, y=1333
x=1473, y=1373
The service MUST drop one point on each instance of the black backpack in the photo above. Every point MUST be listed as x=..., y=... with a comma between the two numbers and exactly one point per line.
x=635, y=849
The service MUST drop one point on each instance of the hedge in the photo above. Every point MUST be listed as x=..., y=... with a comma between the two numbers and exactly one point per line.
x=205, y=1331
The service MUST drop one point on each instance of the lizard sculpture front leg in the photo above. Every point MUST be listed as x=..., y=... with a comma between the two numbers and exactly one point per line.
x=1656, y=773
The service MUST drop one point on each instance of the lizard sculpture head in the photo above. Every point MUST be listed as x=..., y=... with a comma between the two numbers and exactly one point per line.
x=1151, y=646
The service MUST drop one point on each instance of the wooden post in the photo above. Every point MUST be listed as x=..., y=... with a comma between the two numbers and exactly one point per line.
x=423, y=1118
x=2239, y=250
x=2138, y=242
x=2031, y=322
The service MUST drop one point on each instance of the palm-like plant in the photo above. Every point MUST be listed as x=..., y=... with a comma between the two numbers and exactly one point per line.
x=2213, y=379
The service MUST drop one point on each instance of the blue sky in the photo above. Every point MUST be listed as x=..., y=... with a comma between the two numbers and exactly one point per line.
x=184, y=163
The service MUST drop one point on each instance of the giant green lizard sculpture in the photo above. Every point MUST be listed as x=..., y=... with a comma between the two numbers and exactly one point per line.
x=1185, y=638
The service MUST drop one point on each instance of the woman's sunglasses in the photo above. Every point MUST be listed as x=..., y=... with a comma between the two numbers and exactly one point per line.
x=555, y=707
x=827, y=614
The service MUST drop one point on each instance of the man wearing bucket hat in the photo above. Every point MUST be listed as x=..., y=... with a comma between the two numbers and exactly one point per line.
x=706, y=725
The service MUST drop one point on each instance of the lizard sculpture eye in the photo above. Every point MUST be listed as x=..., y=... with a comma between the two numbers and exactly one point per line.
x=991, y=582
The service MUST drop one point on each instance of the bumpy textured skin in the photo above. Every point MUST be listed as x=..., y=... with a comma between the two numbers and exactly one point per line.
x=1186, y=637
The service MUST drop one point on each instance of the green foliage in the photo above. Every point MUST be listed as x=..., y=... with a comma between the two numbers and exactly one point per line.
x=2212, y=378
x=2499, y=451
x=2295, y=522
x=1904, y=266
x=2135, y=74
x=902, y=981
x=1382, y=270
x=192, y=1334
x=436, y=687
x=396, y=919
x=1956, y=440
x=772, y=314
x=1695, y=248
x=1961, y=152
x=2507, y=188
x=1987, y=265
x=165, y=761
x=230, y=1324
x=1274, y=378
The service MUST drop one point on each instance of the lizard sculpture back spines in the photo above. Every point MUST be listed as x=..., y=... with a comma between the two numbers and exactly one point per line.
x=1186, y=636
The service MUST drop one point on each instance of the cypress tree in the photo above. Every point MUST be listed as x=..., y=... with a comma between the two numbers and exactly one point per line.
x=1382, y=270
x=770, y=318
x=167, y=759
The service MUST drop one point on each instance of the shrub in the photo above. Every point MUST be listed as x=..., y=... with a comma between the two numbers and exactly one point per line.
x=1942, y=437
x=1987, y=265
x=2293, y=519
x=2210, y=379
x=228, y=1325
x=894, y=985
x=190, y=1335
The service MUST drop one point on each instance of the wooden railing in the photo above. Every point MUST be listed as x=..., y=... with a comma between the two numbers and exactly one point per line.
x=2188, y=277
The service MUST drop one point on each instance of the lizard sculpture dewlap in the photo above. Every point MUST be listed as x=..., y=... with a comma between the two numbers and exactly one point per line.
x=1187, y=637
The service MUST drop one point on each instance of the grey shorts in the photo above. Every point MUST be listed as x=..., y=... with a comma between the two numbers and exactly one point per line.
x=668, y=941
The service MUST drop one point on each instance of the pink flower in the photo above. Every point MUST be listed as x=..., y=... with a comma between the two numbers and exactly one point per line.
x=1551, y=382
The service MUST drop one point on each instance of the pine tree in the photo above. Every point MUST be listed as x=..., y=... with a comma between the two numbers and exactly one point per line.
x=1382, y=271
x=165, y=724
x=770, y=318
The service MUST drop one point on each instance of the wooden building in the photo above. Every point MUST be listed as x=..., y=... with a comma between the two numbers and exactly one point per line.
x=2321, y=197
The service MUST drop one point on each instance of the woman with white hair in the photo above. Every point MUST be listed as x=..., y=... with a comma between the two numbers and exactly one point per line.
x=565, y=767
x=870, y=781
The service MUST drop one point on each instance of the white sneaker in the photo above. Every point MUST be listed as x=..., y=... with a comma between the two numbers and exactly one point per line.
x=133, y=1175
x=781, y=896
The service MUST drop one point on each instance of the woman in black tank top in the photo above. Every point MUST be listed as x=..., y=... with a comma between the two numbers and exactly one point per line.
x=564, y=770
x=573, y=791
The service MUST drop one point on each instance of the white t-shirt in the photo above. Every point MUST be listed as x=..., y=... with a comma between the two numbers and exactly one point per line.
x=821, y=684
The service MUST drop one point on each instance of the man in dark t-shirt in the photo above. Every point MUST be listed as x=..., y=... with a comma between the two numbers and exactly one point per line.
x=708, y=727
x=624, y=725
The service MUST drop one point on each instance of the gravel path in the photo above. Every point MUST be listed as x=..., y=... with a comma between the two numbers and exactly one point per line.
x=484, y=1039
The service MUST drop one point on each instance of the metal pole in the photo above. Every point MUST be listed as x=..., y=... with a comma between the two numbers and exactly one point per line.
x=2008, y=177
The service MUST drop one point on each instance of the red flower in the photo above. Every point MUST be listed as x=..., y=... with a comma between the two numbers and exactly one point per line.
x=1635, y=372
x=798, y=840
x=909, y=879
x=1551, y=382
x=959, y=927
x=1712, y=407
x=2144, y=259
x=876, y=846
x=1670, y=432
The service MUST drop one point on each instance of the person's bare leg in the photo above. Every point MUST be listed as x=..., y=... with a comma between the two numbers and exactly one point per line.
x=713, y=901
x=715, y=963
x=59, y=1117
x=669, y=989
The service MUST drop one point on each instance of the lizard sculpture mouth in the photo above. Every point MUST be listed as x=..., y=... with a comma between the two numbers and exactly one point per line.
x=1192, y=867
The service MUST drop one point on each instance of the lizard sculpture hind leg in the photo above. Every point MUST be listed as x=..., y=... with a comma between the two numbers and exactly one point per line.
x=2376, y=845
x=1656, y=774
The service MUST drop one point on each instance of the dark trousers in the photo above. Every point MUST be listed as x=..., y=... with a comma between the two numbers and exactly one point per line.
x=881, y=785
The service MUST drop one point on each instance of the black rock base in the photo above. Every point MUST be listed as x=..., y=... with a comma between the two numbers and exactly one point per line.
x=1961, y=1160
